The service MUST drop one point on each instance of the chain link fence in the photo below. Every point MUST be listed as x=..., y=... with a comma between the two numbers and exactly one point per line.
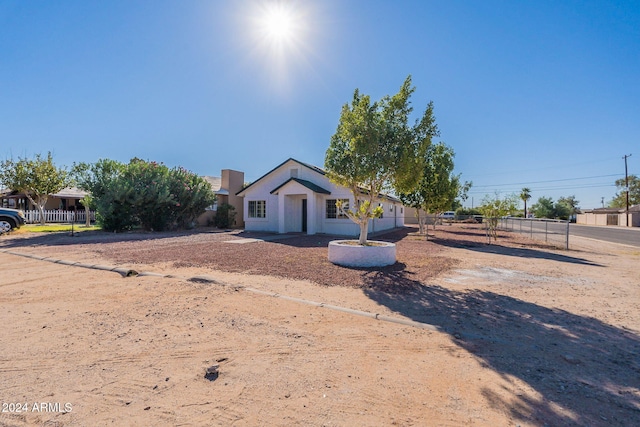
x=552, y=231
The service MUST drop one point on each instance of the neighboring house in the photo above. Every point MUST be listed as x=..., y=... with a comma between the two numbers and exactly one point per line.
x=298, y=197
x=66, y=199
x=610, y=216
x=225, y=188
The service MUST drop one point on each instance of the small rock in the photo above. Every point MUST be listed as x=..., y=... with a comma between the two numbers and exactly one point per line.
x=212, y=373
x=571, y=359
x=147, y=408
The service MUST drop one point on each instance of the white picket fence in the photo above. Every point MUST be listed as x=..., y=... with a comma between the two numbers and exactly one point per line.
x=53, y=216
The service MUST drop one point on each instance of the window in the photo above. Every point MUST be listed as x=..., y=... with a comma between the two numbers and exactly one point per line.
x=333, y=211
x=294, y=173
x=257, y=209
x=381, y=210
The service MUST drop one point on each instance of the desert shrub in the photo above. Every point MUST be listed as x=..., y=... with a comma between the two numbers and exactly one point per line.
x=146, y=194
x=225, y=216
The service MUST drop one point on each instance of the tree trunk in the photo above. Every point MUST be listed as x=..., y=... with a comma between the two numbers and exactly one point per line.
x=42, y=218
x=87, y=212
x=40, y=205
x=364, y=231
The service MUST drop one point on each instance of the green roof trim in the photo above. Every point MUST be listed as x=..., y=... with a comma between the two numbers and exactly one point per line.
x=310, y=185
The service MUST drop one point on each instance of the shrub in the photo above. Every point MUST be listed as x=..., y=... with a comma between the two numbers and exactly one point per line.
x=225, y=216
x=145, y=193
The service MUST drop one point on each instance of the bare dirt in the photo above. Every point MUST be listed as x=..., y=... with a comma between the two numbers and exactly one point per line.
x=520, y=333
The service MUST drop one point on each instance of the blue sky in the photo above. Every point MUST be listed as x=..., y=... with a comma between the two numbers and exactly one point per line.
x=538, y=94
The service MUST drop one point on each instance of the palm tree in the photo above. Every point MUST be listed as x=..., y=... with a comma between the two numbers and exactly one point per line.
x=525, y=195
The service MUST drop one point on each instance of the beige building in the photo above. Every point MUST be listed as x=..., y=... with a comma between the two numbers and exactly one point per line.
x=65, y=199
x=610, y=216
x=225, y=188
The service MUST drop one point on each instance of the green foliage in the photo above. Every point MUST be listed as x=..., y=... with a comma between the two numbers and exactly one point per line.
x=564, y=208
x=438, y=188
x=543, y=208
x=571, y=205
x=525, y=195
x=461, y=212
x=37, y=178
x=375, y=149
x=495, y=207
x=143, y=193
x=620, y=201
x=225, y=215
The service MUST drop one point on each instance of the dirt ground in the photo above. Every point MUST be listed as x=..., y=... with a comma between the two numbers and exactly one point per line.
x=466, y=333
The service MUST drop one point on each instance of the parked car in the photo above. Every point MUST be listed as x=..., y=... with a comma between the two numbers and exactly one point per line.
x=449, y=215
x=11, y=219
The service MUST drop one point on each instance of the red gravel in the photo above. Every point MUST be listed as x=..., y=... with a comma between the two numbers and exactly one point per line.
x=298, y=257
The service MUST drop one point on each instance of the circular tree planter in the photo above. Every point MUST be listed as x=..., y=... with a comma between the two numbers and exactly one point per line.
x=350, y=254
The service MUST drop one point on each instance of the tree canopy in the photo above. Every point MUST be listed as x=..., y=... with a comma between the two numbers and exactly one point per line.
x=495, y=207
x=564, y=208
x=438, y=188
x=143, y=193
x=37, y=178
x=620, y=200
x=375, y=149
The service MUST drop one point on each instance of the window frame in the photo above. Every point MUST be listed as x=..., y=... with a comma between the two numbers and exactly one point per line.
x=254, y=210
x=337, y=214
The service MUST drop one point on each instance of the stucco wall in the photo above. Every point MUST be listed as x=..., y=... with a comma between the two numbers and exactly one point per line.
x=292, y=195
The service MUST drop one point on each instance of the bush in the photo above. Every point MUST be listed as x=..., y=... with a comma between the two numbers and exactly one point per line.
x=148, y=194
x=225, y=216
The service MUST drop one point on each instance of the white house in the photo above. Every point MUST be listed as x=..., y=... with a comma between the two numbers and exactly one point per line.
x=298, y=197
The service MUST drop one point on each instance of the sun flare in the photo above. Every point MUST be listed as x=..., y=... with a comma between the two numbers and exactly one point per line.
x=279, y=36
x=279, y=24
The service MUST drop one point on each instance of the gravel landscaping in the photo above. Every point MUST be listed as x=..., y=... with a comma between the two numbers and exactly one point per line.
x=299, y=257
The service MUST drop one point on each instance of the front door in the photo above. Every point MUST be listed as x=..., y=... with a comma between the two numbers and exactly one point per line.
x=304, y=215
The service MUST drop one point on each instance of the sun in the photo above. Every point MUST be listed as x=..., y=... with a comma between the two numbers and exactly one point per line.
x=279, y=36
x=279, y=24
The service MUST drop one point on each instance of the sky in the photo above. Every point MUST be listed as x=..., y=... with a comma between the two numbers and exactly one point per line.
x=538, y=94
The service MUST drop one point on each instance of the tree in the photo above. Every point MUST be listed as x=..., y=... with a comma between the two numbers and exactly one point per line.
x=620, y=201
x=571, y=204
x=87, y=202
x=375, y=149
x=37, y=178
x=543, y=208
x=143, y=193
x=495, y=207
x=564, y=208
x=438, y=188
x=525, y=195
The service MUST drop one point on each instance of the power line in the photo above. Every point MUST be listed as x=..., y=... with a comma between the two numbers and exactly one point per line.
x=546, y=181
x=539, y=189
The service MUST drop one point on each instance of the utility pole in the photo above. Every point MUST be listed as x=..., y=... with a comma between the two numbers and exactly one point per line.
x=626, y=179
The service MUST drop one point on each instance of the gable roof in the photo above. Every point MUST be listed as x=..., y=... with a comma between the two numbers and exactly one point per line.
x=310, y=185
x=313, y=168
x=302, y=181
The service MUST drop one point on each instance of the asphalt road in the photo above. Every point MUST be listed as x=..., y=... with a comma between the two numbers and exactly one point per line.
x=626, y=236
x=557, y=232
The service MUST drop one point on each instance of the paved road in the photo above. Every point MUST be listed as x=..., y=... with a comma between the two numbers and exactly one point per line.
x=557, y=230
x=627, y=236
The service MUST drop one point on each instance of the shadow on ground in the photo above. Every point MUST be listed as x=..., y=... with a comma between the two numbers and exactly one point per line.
x=590, y=368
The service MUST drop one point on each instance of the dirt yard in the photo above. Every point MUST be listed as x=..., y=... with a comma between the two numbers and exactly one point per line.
x=466, y=333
